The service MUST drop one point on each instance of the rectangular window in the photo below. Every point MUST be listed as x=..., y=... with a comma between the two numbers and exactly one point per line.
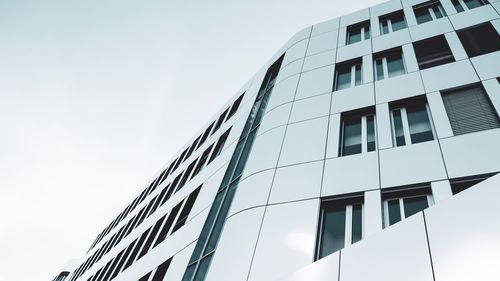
x=428, y=11
x=138, y=246
x=411, y=122
x=479, y=40
x=388, y=64
x=186, y=174
x=348, y=74
x=392, y=22
x=432, y=52
x=400, y=204
x=151, y=237
x=358, y=32
x=168, y=223
x=357, y=132
x=235, y=106
x=341, y=223
x=462, y=5
x=219, y=146
x=470, y=110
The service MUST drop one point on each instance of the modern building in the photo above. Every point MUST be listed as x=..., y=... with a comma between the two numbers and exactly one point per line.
x=365, y=149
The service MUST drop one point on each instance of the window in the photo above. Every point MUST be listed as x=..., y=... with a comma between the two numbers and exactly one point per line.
x=357, y=132
x=411, y=122
x=398, y=205
x=388, y=64
x=220, y=121
x=186, y=209
x=428, y=11
x=479, y=40
x=461, y=184
x=168, y=223
x=432, y=52
x=348, y=74
x=151, y=237
x=341, y=223
x=235, y=106
x=203, y=160
x=462, y=5
x=205, y=135
x=161, y=270
x=392, y=22
x=185, y=177
x=145, y=277
x=219, y=146
x=358, y=32
x=469, y=110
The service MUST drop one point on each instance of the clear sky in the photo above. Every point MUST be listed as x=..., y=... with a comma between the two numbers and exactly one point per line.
x=97, y=95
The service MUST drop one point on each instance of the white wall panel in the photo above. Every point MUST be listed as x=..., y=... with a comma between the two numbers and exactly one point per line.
x=309, y=108
x=470, y=154
x=439, y=78
x=325, y=26
x=487, y=65
x=319, y=60
x=283, y=92
x=353, y=98
x=473, y=17
x=314, y=82
x=391, y=40
x=398, y=253
x=326, y=269
x=353, y=51
x=252, y=191
x=351, y=173
x=265, y=151
x=276, y=117
x=415, y=163
x=304, y=142
x=430, y=29
x=323, y=42
x=464, y=234
x=297, y=182
x=399, y=87
x=286, y=241
x=236, y=246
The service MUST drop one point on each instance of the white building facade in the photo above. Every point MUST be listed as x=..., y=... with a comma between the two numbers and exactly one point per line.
x=366, y=149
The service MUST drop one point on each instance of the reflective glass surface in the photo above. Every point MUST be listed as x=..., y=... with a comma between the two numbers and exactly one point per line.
x=414, y=205
x=394, y=212
x=333, y=232
x=351, y=136
x=398, y=128
x=420, y=126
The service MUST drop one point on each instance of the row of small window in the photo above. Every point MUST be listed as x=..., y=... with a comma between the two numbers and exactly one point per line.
x=198, y=142
x=164, y=195
x=478, y=40
x=177, y=183
x=149, y=239
x=341, y=219
x=425, y=12
x=468, y=108
x=61, y=276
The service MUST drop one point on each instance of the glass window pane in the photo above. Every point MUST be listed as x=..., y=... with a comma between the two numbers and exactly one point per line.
x=351, y=143
x=370, y=128
x=457, y=5
x=414, y=205
x=367, y=32
x=398, y=22
x=437, y=11
x=395, y=65
x=422, y=15
x=420, y=126
x=343, y=79
x=471, y=4
x=333, y=232
x=384, y=28
x=379, y=69
x=354, y=35
x=394, y=212
x=358, y=74
x=357, y=223
x=398, y=128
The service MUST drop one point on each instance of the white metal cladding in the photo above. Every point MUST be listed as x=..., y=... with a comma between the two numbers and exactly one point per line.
x=272, y=226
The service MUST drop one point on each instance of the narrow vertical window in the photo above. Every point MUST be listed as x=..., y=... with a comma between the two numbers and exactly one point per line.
x=411, y=122
x=389, y=63
x=428, y=11
x=348, y=74
x=358, y=132
x=358, y=32
x=392, y=22
x=341, y=224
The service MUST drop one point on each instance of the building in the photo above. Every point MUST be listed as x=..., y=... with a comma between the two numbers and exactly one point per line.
x=348, y=156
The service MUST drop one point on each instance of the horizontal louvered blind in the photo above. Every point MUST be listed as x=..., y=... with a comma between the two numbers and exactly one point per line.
x=470, y=110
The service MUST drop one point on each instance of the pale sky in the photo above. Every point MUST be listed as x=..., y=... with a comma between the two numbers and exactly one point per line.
x=97, y=95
